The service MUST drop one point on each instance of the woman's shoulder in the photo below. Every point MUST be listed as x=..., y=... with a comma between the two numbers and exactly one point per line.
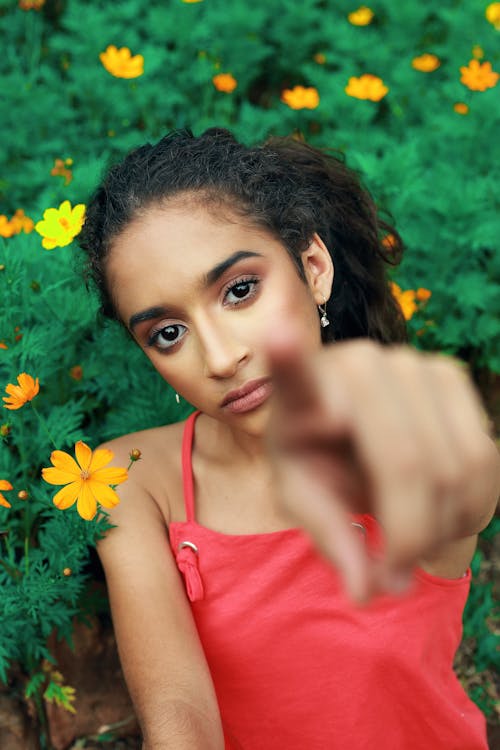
x=151, y=442
x=155, y=467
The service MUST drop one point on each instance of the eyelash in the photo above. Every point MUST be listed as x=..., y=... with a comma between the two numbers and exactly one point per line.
x=250, y=281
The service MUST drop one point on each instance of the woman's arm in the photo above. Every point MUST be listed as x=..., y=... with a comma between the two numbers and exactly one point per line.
x=389, y=431
x=162, y=659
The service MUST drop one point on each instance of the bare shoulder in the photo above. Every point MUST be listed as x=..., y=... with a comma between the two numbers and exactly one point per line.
x=154, y=480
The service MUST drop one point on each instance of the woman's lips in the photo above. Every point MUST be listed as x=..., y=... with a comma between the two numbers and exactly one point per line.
x=249, y=397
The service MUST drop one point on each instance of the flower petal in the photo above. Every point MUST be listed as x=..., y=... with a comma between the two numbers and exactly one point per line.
x=112, y=475
x=100, y=458
x=86, y=502
x=58, y=476
x=4, y=502
x=5, y=485
x=104, y=495
x=66, y=496
x=83, y=455
x=65, y=462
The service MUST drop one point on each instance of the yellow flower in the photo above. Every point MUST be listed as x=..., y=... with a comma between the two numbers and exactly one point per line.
x=192, y=1
x=366, y=86
x=478, y=76
x=426, y=63
x=361, y=17
x=22, y=393
x=86, y=480
x=120, y=62
x=5, y=485
x=224, y=82
x=493, y=14
x=300, y=97
x=60, y=225
x=461, y=108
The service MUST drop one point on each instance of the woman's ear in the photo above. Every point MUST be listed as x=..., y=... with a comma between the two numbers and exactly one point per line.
x=318, y=269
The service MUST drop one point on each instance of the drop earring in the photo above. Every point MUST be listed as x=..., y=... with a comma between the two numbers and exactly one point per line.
x=177, y=398
x=324, y=321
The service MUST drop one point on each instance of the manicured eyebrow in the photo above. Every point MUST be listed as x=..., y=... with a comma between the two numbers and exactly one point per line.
x=217, y=271
x=210, y=278
x=150, y=314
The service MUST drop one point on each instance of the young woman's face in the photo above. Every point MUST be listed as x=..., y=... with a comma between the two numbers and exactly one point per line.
x=201, y=295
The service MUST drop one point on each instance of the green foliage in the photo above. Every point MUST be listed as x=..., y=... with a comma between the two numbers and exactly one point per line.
x=430, y=167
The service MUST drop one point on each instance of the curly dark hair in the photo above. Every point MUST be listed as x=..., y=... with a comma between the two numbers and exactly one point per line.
x=285, y=186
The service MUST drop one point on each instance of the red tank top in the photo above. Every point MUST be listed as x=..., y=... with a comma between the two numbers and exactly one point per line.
x=296, y=666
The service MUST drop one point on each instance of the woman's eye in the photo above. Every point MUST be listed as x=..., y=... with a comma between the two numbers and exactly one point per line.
x=241, y=291
x=167, y=336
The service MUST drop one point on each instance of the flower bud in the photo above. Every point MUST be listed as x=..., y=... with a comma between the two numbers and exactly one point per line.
x=135, y=454
x=23, y=495
x=5, y=429
x=67, y=572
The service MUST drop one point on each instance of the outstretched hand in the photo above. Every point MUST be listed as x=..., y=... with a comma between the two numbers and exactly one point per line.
x=358, y=427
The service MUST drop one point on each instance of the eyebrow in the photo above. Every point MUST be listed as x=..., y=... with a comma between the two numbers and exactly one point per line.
x=210, y=278
x=216, y=272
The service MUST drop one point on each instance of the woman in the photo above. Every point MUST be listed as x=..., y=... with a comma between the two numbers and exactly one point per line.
x=290, y=565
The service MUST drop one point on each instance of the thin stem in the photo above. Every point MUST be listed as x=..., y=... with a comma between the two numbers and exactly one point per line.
x=27, y=554
x=44, y=424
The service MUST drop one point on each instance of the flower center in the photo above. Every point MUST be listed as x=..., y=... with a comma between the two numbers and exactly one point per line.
x=85, y=474
x=64, y=222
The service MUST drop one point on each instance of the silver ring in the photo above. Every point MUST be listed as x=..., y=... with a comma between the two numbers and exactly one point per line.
x=359, y=526
x=188, y=544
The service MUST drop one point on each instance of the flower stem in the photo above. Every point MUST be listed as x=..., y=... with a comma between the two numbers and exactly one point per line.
x=44, y=424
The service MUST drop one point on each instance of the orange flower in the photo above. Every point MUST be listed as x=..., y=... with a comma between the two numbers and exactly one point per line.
x=361, y=17
x=405, y=299
x=389, y=242
x=6, y=228
x=17, y=224
x=60, y=169
x=492, y=14
x=86, y=480
x=5, y=485
x=224, y=82
x=3, y=345
x=121, y=63
x=408, y=299
x=300, y=97
x=426, y=63
x=31, y=4
x=76, y=372
x=366, y=86
x=461, y=108
x=22, y=393
x=478, y=76
x=423, y=294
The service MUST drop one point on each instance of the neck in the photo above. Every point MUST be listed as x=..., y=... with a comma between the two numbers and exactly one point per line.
x=231, y=444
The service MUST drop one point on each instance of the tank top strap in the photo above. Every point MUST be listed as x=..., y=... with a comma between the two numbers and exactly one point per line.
x=187, y=468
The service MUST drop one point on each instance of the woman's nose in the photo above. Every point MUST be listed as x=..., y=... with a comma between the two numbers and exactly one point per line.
x=222, y=351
